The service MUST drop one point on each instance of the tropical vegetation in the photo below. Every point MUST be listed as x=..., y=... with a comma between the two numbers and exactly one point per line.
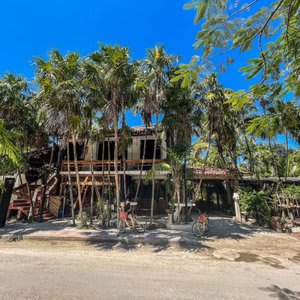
x=254, y=132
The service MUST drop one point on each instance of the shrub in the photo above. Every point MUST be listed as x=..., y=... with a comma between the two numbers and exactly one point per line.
x=84, y=220
x=292, y=190
x=255, y=204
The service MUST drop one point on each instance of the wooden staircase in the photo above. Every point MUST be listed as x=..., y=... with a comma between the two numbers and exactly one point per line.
x=23, y=205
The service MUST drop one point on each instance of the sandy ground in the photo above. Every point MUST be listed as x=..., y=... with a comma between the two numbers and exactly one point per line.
x=262, y=265
x=234, y=261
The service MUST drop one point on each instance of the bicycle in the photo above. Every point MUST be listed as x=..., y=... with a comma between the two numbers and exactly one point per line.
x=200, y=226
x=139, y=225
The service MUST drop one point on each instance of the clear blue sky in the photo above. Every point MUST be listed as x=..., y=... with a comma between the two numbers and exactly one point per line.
x=34, y=27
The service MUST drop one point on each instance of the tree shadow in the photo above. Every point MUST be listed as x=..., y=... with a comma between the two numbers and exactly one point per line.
x=222, y=227
x=16, y=230
x=157, y=241
x=281, y=293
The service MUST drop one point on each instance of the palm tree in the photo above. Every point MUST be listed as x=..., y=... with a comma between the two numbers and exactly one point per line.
x=18, y=114
x=218, y=128
x=114, y=70
x=156, y=68
x=278, y=118
x=144, y=96
x=125, y=141
x=60, y=83
x=7, y=146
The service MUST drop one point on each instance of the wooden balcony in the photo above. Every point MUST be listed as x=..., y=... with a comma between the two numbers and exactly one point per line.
x=108, y=165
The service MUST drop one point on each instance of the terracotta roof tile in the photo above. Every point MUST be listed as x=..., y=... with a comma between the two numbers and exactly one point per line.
x=213, y=171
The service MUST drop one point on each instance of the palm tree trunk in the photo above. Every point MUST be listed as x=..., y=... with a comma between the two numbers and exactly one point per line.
x=109, y=179
x=234, y=163
x=124, y=174
x=153, y=173
x=70, y=182
x=274, y=158
x=177, y=193
x=103, y=149
x=286, y=155
x=77, y=176
x=52, y=152
x=116, y=137
x=142, y=166
x=221, y=152
x=92, y=191
x=124, y=155
x=205, y=160
x=31, y=210
x=251, y=160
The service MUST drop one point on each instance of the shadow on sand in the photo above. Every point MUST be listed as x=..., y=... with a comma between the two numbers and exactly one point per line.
x=220, y=227
x=276, y=292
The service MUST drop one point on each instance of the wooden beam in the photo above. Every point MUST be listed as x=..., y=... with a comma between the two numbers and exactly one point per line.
x=90, y=183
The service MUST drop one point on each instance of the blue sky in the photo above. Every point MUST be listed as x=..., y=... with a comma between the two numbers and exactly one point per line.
x=33, y=27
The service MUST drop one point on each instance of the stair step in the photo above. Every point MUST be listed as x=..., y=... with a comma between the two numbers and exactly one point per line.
x=24, y=205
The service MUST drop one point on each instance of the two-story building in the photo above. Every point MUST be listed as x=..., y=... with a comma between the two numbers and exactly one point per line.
x=133, y=168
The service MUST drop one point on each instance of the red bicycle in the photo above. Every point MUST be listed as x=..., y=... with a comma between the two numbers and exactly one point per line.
x=139, y=223
x=200, y=227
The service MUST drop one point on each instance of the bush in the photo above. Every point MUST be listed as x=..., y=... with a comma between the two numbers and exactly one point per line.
x=292, y=190
x=255, y=204
x=102, y=211
x=84, y=220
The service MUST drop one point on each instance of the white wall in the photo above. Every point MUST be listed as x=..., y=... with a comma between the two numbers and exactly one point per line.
x=133, y=149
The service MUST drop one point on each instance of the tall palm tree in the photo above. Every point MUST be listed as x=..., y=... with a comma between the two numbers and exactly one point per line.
x=60, y=83
x=142, y=89
x=156, y=67
x=281, y=117
x=114, y=70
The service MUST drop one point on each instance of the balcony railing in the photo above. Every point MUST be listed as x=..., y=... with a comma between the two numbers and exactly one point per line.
x=108, y=165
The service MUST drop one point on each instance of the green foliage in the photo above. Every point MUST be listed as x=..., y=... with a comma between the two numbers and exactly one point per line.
x=83, y=218
x=8, y=150
x=125, y=138
x=255, y=203
x=18, y=125
x=292, y=190
x=274, y=31
x=188, y=74
x=294, y=163
x=102, y=212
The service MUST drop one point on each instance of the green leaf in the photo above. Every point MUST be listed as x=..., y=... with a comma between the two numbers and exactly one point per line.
x=191, y=5
x=201, y=8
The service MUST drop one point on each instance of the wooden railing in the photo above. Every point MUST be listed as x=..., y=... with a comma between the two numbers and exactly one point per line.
x=99, y=165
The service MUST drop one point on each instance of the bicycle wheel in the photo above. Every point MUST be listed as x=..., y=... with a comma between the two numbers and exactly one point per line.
x=140, y=225
x=198, y=228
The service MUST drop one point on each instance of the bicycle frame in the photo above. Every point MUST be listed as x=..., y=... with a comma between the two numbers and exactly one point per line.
x=132, y=226
x=200, y=226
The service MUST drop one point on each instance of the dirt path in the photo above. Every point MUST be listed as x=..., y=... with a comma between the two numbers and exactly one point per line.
x=221, y=269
